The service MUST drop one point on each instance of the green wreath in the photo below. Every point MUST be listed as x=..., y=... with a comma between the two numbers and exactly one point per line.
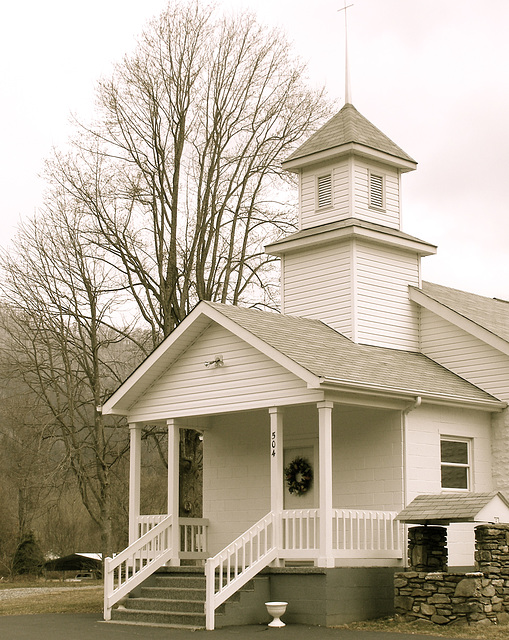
x=299, y=476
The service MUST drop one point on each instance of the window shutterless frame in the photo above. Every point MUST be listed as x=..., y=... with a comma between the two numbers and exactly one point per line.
x=455, y=463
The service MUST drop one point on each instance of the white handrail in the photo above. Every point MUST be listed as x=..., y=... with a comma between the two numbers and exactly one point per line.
x=237, y=563
x=129, y=568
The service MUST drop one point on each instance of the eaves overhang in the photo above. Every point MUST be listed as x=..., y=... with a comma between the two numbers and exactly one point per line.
x=319, y=236
x=398, y=393
x=350, y=148
x=459, y=320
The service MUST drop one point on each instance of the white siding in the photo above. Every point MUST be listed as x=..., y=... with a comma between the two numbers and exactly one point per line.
x=311, y=215
x=424, y=428
x=385, y=315
x=367, y=460
x=464, y=354
x=248, y=380
x=318, y=284
x=236, y=475
x=390, y=216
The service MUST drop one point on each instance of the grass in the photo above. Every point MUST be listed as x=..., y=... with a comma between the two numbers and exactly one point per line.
x=78, y=600
x=480, y=632
x=73, y=600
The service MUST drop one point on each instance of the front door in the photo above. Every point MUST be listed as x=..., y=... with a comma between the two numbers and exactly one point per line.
x=308, y=500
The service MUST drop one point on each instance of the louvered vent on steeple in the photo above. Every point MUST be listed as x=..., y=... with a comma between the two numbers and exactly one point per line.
x=325, y=191
x=376, y=191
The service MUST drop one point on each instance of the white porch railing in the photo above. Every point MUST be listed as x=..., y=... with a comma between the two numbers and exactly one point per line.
x=237, y=563
x=292, y=534
x=133, y=565
x=193, y=534
x=365, y=534
x=300, y=533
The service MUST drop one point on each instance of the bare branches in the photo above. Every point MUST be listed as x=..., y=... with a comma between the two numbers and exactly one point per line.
x=181, y=175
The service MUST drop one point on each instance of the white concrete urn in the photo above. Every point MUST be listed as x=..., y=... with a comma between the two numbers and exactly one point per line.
x=276, y=610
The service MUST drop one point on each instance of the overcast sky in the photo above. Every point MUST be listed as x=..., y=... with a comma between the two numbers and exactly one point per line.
x=431, y=74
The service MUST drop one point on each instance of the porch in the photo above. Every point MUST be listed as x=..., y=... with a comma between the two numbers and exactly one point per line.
x=355, y=453
x=287, y=537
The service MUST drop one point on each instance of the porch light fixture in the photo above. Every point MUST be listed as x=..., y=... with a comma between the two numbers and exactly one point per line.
x=217, y=362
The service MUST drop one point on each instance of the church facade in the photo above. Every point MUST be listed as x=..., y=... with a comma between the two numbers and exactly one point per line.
x=321, y=423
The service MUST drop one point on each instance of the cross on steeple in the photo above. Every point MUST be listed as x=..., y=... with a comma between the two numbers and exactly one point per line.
x=348, y=90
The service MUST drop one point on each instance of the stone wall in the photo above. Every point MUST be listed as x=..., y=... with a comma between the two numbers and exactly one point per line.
x=454, y=598
x=444, y=598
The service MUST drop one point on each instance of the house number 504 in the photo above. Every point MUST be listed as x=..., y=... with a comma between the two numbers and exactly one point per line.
x=273, y=444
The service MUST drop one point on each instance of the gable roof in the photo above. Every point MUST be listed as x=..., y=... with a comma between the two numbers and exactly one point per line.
x=445, y=508
x=347, y=127
x=313, y=351
x=490, y=313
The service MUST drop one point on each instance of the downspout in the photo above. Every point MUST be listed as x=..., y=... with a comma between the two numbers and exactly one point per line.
x=414, y=405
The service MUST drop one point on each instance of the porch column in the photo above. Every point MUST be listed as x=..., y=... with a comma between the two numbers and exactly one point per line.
x=276, y=470
x=173, y=487
x=325, y=558
x=134, y=479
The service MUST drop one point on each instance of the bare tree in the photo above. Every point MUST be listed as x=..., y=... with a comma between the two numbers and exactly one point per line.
x=61, y=342
x=182, y=171
x=167, y=199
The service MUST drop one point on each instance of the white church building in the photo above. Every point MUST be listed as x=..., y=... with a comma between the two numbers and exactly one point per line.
x=370, y=388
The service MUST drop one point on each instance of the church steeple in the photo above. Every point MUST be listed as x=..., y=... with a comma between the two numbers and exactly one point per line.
x=349, y=132
x=349, y=169
x=350, y=264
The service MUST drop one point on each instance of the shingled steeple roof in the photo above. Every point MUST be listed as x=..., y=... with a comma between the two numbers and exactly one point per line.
x=348, y=127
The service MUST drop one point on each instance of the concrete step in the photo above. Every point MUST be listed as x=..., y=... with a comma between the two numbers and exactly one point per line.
x=173, y=606
x=180, y=580
x=173, y=593
x=167, y=618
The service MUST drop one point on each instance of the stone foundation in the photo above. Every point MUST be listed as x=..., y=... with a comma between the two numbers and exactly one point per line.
x=444, y=598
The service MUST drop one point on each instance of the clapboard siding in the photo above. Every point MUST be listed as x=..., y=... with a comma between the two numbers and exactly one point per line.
x=317, y=284
x=248, y=380
x=390, y=216
x=385, y=315
x=311, y=215
x=465, y=354
x=424, y=428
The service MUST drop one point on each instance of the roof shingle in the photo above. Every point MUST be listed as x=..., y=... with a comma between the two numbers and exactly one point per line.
x=328, y=354
x=446, y=507
x=490, y=313
x=348, y=126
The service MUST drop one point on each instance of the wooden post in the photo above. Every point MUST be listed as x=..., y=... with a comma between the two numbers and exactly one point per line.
x=173, y=487
x=325, y=558
x=134, y=480
x=276, y=474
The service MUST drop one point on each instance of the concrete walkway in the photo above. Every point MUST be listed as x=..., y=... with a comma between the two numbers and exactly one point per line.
x=89, y=626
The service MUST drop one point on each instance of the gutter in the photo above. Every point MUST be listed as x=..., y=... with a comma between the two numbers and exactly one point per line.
x=378, y=389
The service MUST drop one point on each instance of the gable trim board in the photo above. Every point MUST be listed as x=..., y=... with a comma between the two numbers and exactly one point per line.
x=459, y=320
x=314, y=353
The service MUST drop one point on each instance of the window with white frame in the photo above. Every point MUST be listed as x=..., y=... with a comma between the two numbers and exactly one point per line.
x=455, y=463
x=324, y=190
x=376, y=190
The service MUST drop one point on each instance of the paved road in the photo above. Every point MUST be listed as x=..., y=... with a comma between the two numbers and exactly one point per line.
x=88, y=626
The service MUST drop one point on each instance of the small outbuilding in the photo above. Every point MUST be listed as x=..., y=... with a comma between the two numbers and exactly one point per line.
x=75, y=563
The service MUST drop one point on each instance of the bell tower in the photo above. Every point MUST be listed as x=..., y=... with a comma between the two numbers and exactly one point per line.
x=350, y=264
